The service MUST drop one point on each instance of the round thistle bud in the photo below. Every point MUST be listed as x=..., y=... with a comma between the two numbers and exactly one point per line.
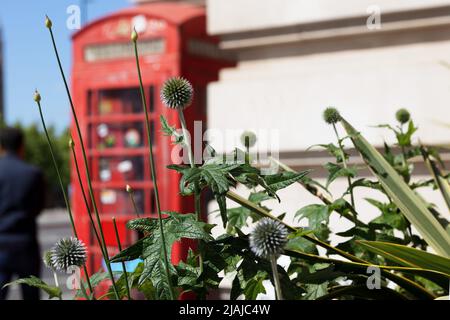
x=250, y=136
x=71, y=143
x=402, y=116
x=331, y=115
x=47, y=258
x=268, y=238
x=129, y=188
x=48, y=22
x=134, y=35
x=177, y=93
x=68, y=252
x=37, y=96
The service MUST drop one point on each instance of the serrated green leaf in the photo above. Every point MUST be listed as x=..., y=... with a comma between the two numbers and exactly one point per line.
x=282, y=180
x=335, y=171
x=176, y=227
x=32, y=281
x=315, y=213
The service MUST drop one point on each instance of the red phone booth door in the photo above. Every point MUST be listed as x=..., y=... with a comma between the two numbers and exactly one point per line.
x=118, y=153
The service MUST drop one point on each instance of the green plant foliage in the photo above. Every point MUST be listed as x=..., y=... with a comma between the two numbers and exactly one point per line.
x=32, y=281
x=408, y=202
x=177, y=226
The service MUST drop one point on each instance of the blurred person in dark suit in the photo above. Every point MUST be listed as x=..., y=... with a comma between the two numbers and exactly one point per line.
x=21, y=200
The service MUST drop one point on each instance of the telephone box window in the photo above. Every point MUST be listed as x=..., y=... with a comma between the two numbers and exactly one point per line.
x=111, y=135
x=114, y=51
x=120, y=101
x=124, y=169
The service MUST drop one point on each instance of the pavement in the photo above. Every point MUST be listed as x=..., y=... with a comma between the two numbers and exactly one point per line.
x=53, y=225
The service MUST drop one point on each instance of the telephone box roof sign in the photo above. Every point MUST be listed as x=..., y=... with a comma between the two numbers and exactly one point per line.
x=161, y=14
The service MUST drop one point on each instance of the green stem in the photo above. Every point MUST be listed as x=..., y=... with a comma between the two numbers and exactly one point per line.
x=88, y=175
x=197, y=194
x=86, y=202
x=404, y=282
x=136, y=210
x=247, y=149
x=325, y=199
x=119, y=245
x=276, y=277
x=153, y=172
x=344, y=162
x=63, y=190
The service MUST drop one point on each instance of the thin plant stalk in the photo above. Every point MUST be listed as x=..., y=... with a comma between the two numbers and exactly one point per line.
x=344, y=163
x=63, y=190
x=125, y=273
x=86, y=202
x=55, y=277
x=197, y=195
x=276, y=277
x=88, y=175
x=133, y=201
x=191, y=162
x=247, y=150
x=153, y=173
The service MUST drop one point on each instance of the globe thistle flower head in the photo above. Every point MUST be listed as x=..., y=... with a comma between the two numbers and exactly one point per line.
x=251, y=136
x=68, y=252
x=177, y=93
x=268, y=238
x=402, y=116
x=47, y=259
x=331, y=115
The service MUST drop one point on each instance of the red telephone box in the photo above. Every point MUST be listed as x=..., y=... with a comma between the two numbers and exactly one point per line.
x=172, y=42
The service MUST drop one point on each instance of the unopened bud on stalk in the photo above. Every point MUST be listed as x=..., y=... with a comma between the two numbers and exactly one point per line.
x=331, y=115
x=402, y=116
x=47, y=259
x=129, y=189
x=251, y=136
x=37, y=96
x=48, y=22
x=134, y=36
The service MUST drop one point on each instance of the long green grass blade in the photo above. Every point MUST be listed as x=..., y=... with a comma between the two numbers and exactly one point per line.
x=410, y=204
x=407, y=256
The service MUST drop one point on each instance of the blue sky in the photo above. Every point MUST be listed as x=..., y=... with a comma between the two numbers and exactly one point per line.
x=29, y=59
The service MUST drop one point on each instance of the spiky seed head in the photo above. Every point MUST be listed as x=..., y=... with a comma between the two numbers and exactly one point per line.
x=37, y=96
x=134, y=35
x=47, y=259
x=68, y=252
x=129, y=188
x=71, y=143
x=402, y=116
x=177, y=93
x=251, y=138
x=268, y=238
x=331, y=115
x=48, y=22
